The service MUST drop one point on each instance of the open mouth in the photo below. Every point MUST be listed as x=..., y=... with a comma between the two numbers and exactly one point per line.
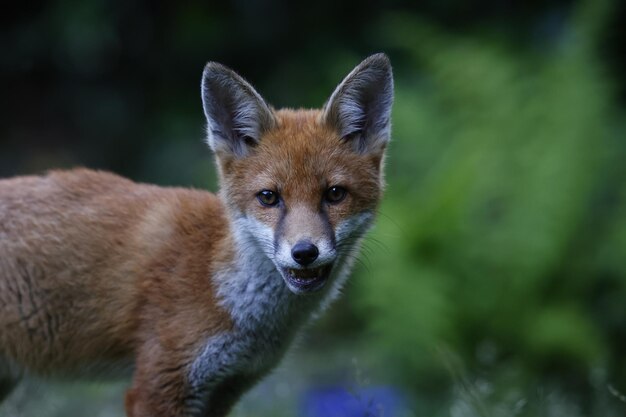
x=306, y=280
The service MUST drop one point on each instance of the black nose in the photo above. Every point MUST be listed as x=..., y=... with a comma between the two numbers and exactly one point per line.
x=304, y=252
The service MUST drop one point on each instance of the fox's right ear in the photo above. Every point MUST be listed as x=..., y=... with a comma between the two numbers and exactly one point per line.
x=236, y=114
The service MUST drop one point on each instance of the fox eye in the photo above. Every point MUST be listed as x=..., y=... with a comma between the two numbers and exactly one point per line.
x=335, y=194
x=268, y=198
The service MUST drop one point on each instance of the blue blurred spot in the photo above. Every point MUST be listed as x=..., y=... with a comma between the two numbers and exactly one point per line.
x=339, y=402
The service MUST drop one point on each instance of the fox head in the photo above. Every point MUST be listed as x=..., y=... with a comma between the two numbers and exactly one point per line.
x=301, y=185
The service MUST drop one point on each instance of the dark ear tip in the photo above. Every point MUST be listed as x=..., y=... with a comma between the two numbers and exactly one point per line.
x=212, y=69
x=380, y=56
x=380, y=60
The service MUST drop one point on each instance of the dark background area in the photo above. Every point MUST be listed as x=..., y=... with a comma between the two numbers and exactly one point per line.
x=95, y=81
x=495, y=281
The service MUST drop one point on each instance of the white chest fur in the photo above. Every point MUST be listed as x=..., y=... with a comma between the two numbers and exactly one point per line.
x=266, y=317
x=266, y=314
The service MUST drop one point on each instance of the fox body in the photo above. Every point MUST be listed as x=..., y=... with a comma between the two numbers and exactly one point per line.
x=197, y=295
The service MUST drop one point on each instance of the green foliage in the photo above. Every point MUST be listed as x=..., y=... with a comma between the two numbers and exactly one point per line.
x=500, y=157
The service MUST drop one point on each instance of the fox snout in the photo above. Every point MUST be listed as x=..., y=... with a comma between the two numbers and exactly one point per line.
x=309, y=267
x=304, y=252
x=304, y=238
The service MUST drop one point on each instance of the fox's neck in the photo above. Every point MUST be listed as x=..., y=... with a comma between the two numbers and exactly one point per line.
x=254, y=293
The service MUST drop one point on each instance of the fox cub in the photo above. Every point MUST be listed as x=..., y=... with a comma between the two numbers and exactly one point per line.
x=199, y=295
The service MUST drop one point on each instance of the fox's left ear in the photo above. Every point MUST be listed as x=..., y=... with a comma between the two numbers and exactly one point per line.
x=360, y=107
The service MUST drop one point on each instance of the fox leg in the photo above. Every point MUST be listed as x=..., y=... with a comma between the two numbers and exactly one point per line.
x=168, y=382
x=6, y=386
x=159, y=386
x=8, y=379
x=226, y=393
x=218, y=403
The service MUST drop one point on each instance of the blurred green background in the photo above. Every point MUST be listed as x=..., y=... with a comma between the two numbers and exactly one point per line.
x=494, y=283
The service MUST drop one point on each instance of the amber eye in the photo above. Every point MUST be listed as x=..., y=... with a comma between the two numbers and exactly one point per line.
x=335, y=194
x=268, y=198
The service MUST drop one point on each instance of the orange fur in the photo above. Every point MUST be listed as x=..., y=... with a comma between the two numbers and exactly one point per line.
x=94, y=267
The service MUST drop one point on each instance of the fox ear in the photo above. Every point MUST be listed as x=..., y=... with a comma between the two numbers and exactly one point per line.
x=360, y=107
x=236, y=114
